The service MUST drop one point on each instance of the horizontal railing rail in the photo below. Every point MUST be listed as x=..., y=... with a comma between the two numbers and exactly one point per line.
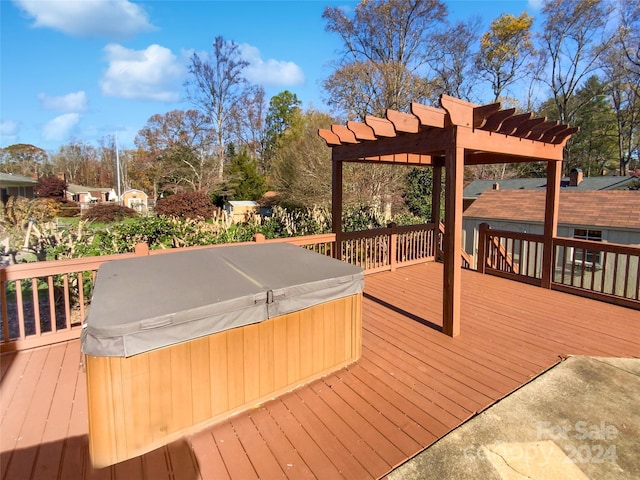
x=600, y=270
x=604, y=271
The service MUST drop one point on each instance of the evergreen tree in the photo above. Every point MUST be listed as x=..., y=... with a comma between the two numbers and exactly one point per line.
x=417, y=195
x=244, y=181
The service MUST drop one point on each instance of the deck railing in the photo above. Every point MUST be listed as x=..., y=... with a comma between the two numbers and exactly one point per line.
x=600, y=270
x=391, y=247
x=513, y=255
x=604, y=271
x=45, y=302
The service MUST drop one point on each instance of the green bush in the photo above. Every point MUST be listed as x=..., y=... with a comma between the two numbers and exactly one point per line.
x=186, y=205
x=108, y=212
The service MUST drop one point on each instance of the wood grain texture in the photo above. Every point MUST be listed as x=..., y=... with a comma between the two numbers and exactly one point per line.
x=411, y=386
x=142, y=402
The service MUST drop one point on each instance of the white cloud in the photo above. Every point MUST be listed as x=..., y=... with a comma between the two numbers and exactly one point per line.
x=60, y=127
x=113, y=19
x=150, y=74
x=9, y=127
x=72, y=102
x=535, y=4
x=273, y=73
x=9, y=132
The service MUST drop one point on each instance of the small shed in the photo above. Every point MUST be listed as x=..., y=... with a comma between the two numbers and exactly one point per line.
x=241, y=210
x=136, y=199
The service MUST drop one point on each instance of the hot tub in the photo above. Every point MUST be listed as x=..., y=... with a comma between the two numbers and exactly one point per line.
x=178, y=341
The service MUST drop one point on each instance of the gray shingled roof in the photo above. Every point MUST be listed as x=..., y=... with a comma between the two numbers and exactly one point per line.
x=9, y=179
x=613, y=208
x=475, y=188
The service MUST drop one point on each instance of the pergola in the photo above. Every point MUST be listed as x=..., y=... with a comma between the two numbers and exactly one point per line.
x=458, y=134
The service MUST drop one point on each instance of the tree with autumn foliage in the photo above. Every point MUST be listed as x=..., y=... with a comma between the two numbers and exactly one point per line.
x=180, y=150
x=387, y=48
x=24, y=159
x=50, y=187
x=504, y=52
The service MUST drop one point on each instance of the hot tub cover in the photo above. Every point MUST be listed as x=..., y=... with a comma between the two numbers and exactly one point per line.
x=144, y=303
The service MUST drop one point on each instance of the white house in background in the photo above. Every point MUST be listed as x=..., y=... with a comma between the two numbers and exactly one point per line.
x=88, y=195
x=136, y=199
x=16, y=186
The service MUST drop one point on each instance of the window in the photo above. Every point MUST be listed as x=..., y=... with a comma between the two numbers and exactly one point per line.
x=590, y=257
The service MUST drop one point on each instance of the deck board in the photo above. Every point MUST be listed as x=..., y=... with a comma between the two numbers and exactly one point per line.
x=411, y=387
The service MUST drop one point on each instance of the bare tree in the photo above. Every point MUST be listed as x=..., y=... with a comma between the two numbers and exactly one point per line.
x=183, y=143
x=216, y=86
x=247, y=119
x=78, y=161
x=629, y=33
x=622, y=70
x=455, y=70
x=574, y=37
x=388, y=45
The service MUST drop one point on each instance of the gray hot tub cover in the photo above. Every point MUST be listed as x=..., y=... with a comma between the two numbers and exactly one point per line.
x=144, y=303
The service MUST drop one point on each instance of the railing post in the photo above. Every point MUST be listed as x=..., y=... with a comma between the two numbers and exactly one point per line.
x=393, y=245
x=483, y=235
x=141, y=249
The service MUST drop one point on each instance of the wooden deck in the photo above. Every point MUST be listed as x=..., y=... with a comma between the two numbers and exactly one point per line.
x=412, y=386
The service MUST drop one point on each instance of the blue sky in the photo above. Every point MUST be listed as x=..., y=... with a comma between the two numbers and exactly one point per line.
x=86, y=69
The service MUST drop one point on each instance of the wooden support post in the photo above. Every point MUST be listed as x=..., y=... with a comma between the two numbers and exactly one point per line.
x=436, y=195
x=393, y=245
x=454, y=171
x=141, y=249
x=436, y=192
x=336, y=206
x=552, y=201
x=483, y=235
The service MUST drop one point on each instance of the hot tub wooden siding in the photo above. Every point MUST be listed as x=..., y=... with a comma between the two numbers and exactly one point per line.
x=141, y=402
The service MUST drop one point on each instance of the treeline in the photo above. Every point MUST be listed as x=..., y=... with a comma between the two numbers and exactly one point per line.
x=577, y=61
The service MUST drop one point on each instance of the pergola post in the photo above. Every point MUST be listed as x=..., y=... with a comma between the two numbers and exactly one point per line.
x=454, y=171
x=436, y=195
x=436, y=191
x=336, y=206
x=552, y=200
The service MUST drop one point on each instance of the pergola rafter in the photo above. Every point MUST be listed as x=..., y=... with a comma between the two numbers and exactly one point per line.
x=460, y=133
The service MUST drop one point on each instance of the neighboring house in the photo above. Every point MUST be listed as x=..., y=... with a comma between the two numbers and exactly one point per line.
x=239, y=211
x=605, y=216
x=575, y=182
x=87, y=195
x=16, y=186
x=136, y=199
